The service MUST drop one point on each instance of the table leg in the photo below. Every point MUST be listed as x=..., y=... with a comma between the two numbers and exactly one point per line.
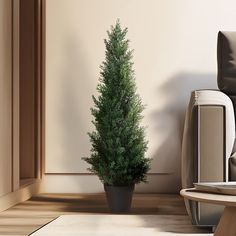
x=227, y=224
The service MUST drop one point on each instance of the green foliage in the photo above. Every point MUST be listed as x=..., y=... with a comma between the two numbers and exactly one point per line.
x=118, y=144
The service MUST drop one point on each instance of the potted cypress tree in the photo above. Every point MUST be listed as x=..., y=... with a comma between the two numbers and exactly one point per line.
x=118, y=144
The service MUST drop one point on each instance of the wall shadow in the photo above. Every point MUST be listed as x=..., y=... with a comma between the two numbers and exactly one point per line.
x=168, y=120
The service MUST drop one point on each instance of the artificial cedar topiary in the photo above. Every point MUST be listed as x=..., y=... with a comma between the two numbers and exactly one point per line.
x=118, y=144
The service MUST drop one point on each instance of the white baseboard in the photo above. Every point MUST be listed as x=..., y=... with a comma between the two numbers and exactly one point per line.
x=66, y=183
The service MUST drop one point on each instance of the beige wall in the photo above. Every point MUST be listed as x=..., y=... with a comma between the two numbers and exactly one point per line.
x=175, y=52
x=5, y=97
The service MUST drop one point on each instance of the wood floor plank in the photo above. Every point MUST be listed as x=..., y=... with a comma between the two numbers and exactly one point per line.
x=30, y=215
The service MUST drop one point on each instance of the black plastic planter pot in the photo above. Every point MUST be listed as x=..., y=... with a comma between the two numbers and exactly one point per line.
x=119, y=198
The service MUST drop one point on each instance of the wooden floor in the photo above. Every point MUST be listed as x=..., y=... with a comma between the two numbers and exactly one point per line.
x=28, y=216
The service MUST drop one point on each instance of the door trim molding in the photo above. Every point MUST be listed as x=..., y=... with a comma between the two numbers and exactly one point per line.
x=40, y=90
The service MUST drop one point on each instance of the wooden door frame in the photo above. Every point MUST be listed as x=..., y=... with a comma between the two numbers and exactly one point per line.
x=40, y=93
x=40, y=90
x=15, y=97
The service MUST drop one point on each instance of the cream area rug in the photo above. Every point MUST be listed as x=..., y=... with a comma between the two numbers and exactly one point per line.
x=119, y=225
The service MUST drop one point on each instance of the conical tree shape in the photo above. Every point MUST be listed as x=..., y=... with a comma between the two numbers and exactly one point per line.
x=118, y=144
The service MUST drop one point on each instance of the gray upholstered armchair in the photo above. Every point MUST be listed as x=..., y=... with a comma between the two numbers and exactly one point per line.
x=208, y=153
